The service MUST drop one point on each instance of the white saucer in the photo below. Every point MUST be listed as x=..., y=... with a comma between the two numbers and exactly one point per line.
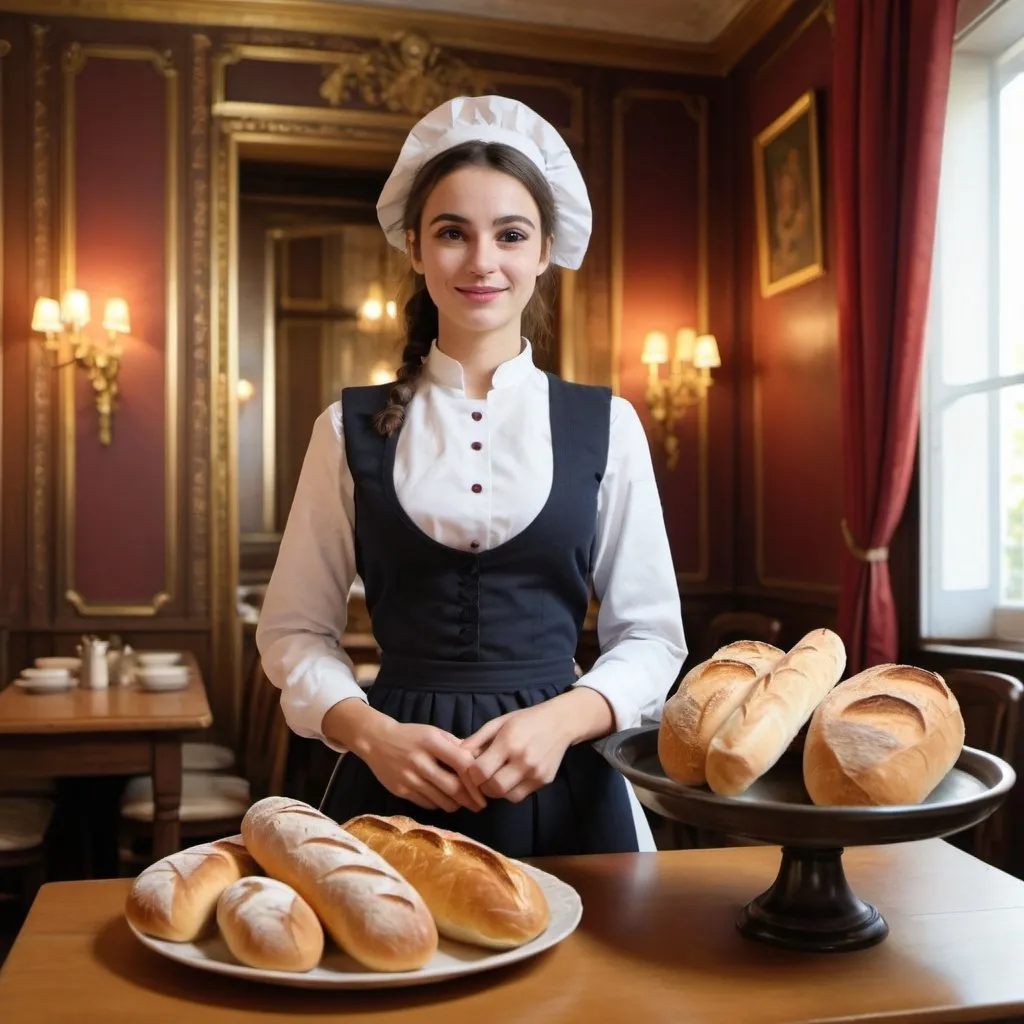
x=37, y=685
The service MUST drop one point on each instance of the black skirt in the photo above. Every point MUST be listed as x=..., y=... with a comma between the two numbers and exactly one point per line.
x=585, y=809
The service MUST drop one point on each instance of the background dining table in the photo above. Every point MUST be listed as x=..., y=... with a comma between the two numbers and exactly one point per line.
x=117, y=731
x=657, y=943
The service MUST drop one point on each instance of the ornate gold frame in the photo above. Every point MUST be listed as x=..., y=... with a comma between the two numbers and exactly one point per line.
x=697, y=107
x=74, y=60
x=804, y=106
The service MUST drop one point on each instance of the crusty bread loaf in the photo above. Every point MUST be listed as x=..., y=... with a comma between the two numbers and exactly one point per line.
x=758, y=732
x=267, y=924
x=708, y=694
x=175, y=898
x=887, y=736
x=476, y=895
x=367, y=907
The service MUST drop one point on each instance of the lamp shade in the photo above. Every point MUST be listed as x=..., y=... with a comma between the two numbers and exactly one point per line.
x=705, y=353
x=46, y=316
x=115, y=317
x=75, y=308
x=655, y=348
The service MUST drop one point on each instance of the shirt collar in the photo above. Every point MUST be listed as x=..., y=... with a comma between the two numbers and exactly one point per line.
x=444, y=370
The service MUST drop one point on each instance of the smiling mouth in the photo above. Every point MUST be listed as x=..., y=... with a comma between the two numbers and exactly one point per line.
x=481, y=294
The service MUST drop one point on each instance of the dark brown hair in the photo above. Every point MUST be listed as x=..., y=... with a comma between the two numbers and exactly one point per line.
x=419, y=311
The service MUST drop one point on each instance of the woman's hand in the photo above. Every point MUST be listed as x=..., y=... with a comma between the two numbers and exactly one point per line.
x=419, y=763
x=518, y=753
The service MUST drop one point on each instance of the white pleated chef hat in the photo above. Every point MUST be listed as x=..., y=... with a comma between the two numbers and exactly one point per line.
x=494, y=119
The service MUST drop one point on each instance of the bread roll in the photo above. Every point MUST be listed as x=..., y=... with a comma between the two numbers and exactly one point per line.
x=708, y=694
x=175, y=898
x=887, y=736
x=267, y=924
x=758, y=732
x=475, y=894
x=367, y=907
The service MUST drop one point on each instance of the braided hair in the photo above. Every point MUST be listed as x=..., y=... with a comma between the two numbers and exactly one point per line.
x=420, y=312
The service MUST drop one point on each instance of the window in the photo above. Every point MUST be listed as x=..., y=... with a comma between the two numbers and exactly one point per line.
x=972, y=422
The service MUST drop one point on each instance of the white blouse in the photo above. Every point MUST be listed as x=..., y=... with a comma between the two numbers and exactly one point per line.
x=445, y=448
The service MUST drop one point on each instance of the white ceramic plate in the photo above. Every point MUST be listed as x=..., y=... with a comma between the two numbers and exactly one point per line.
x=163, y=685
x=46, y=685
x=336, y=970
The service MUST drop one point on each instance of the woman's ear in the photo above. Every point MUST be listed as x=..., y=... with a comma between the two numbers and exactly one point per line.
x=413, y=249
x=545, y=255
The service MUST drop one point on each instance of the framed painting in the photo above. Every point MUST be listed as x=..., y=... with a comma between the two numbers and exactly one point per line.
x=787, y=186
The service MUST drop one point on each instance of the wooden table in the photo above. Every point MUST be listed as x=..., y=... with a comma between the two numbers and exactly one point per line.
x=122, y=730
x=657, y=944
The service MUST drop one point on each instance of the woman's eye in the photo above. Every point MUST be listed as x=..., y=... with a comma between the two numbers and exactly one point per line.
x=450, y=234
x=512, y=236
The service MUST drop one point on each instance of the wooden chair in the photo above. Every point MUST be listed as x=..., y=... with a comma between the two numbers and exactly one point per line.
x=24, y=823
x=990, y=705
x=728, y=627
x=213, y=804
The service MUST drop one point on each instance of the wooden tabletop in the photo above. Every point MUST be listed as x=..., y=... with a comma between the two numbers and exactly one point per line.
x=115, y=709
x=657, y=944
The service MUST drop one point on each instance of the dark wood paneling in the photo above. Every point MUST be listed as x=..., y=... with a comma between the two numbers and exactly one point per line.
x=120, y=206
x=789, y=498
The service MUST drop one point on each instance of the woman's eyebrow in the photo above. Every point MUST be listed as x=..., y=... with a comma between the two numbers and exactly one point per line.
x=512, y=218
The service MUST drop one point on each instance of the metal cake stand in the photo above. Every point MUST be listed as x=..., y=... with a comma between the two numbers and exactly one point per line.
x=810, y=906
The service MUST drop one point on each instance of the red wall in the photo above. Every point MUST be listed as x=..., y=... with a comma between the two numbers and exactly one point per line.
x=788, y=544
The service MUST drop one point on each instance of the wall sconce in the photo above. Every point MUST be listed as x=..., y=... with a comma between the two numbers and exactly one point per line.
x=102, y=363
x=687, y=382
x=375, y=314
x=244, y=390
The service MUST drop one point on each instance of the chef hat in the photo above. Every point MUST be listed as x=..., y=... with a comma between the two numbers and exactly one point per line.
x=494, y=119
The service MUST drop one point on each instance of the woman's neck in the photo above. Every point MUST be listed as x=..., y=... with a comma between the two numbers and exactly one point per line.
x=479, y=354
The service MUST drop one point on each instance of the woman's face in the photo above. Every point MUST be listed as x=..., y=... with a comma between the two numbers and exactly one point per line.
x=480, y=249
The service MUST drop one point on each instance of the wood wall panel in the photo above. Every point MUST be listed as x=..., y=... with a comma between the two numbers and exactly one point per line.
x=788, y=543
x=120, y=214
x=659, y=282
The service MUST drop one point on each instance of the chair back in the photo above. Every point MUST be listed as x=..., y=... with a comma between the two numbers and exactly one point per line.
x=728, y=627
x=990, y=705
x=265, y=742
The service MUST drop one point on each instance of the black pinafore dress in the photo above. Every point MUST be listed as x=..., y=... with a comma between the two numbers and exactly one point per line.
x=467, y=636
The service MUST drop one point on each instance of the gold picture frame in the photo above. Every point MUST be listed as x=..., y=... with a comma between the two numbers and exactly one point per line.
x=787, y=191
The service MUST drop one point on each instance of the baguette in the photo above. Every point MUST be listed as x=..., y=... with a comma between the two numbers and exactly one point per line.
x=758, y=732
x=475, y=894
x=887, y=736
x=176, y=898
x=366, y=906
x=267, y=924
x=708, y=694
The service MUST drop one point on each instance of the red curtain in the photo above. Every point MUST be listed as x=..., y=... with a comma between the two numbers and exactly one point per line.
x=891, y=80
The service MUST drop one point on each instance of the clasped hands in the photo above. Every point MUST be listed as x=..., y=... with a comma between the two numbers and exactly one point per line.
x=509, y=758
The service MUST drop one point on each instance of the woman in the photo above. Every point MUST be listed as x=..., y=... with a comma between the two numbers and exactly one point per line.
x=479, y=499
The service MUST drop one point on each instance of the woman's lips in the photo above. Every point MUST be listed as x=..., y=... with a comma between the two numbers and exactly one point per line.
x=481, y=294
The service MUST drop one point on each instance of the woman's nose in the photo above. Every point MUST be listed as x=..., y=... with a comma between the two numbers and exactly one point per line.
x=482, y=257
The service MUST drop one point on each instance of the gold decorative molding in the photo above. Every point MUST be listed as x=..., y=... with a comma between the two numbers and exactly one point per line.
x=199, y=342
x=456, y=31
x=406, y=74
x=696, y=106
x=42, y=281
x=826, y=9
x=75, y=58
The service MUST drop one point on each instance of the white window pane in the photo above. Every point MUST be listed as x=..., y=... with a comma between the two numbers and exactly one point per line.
x=964, y=460
x=963, y=289
x=1011, y=226
x=1011, y=491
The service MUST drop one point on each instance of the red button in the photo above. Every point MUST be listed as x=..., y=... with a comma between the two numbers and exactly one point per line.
x=474, y=544
x=476, y=446
x=478, y=416
x=477, y=488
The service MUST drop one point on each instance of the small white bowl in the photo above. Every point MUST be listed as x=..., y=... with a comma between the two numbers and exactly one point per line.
x=157, y=658
x=164, y=677
x=71, y=664
x=47, y=675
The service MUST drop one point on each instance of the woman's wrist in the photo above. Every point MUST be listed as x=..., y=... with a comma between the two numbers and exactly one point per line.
x=586, y=713
x=353, y=724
